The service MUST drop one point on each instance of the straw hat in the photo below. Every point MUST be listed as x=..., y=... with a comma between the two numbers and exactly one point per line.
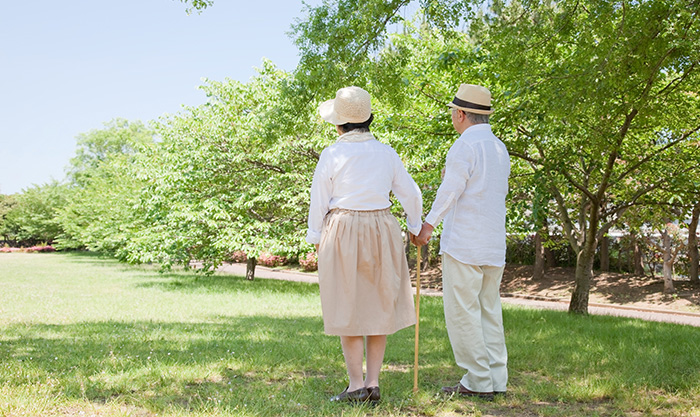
x=472, y=98
x=351, y=105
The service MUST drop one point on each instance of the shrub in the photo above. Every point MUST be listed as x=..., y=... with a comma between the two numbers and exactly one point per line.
x=239, y=256
x=46, y=248
x=309, y=262
x=8, y=250
x=270, y=260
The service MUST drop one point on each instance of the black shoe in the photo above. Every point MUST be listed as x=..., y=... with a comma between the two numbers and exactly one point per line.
x=374, y=395
x=356, y=396
x=463, y=391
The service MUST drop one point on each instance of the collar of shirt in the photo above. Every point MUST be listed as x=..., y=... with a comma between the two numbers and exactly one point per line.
x=477, y=128
x=355, y=136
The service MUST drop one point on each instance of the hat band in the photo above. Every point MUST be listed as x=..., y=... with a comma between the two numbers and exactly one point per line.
x=469, y=105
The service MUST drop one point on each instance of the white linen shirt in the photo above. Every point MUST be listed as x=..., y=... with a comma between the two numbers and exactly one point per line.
x=471, y=199
x=358, y=173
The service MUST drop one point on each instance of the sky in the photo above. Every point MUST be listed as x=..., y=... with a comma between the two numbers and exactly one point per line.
x=69, y=66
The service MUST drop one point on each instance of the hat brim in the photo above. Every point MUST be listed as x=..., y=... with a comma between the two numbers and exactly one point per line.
x=467, y=109
x=327, y=112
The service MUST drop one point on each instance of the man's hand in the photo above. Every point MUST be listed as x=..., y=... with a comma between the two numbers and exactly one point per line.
x=424, y=236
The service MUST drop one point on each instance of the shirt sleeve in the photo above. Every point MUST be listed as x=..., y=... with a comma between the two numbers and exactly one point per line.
x=458, y=165
x=321, y=189
x=409, y=195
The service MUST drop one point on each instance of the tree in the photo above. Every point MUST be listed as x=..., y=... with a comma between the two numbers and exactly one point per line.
x=32, y=218
x=693, y=255
x=337, y=40
x=100, y=215
x=229, y=175
x=118, y=137
x=7, y=205
x=104, y=190
x=600, y=96
x=596, y=95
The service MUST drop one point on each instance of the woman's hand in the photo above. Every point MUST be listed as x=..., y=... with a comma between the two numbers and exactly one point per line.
x=424, y=236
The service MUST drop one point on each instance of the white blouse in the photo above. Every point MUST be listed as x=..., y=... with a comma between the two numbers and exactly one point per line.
x=358, y=173
x=471, y=199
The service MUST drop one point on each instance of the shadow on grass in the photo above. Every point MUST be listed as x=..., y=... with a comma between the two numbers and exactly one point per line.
x=276, y=366
x=277, y=363
x=617, y=353
x=223, y=283
x=88, y=257
x=264, y=363
x=101, y=360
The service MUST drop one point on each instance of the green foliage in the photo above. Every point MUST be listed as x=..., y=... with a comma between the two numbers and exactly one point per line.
x=30, y=217
x=7, y=204
x=593, y=97
x=118, y=137
x=100, y=214
x=336, y=40
x=197, y=5
x=598, y=103
x=227, y=176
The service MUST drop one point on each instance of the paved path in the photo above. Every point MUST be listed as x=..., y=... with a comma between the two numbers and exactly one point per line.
x=670, y=316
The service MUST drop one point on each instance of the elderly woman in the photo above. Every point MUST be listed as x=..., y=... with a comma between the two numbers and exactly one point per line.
x=363, y=274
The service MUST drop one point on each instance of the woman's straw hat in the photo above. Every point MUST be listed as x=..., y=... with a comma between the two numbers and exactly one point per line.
x=351, y=105
x=472, y=98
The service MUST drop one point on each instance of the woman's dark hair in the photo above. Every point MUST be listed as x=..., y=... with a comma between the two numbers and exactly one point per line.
x=362, y=127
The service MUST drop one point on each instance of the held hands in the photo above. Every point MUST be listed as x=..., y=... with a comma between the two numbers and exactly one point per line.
x=424, y=236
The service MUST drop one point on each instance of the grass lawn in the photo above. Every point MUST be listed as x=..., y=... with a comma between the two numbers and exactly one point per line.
x=81, y=335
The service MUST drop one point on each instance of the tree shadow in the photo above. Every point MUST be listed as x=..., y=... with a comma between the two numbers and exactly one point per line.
x=632, y=290
x=173, y=361
x=613, y=351
x=224, y=283
x=275, y=365
x=268, y=363
x=611, y=287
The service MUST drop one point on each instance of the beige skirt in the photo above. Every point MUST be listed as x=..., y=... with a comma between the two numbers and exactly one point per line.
x=363, y=274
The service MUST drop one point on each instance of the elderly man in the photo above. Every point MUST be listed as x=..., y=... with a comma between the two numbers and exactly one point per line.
x=471, y=201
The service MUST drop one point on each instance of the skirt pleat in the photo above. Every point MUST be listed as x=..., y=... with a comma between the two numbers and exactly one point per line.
x=363, y=274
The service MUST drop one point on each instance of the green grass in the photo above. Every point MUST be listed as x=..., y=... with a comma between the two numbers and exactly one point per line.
x=82, y=335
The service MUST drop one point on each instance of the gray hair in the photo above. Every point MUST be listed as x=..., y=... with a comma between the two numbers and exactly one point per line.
x=476, y=118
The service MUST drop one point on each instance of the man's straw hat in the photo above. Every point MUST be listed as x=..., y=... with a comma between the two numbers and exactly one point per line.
x=351, y=105
x=472, y=98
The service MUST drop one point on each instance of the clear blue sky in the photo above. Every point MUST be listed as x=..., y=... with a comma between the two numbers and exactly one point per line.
x=68, y=66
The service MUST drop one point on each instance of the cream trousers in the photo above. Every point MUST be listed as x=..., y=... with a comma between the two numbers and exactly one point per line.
x=475, y=323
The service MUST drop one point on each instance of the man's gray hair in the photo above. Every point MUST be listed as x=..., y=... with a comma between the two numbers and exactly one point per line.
x=476, y=118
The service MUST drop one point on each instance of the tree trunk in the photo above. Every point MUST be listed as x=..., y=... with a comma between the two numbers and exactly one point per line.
x=250, y=268
x=637, y=259
x=407, y=247
x=538, y=271
x=425, y=257
x=693, y=255
x=550, y=260
x=584, y=276
x=668, y=262
x=605, y=254
x=584, y=264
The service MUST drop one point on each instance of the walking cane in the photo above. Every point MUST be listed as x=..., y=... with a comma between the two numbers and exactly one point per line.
x=415, y=360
